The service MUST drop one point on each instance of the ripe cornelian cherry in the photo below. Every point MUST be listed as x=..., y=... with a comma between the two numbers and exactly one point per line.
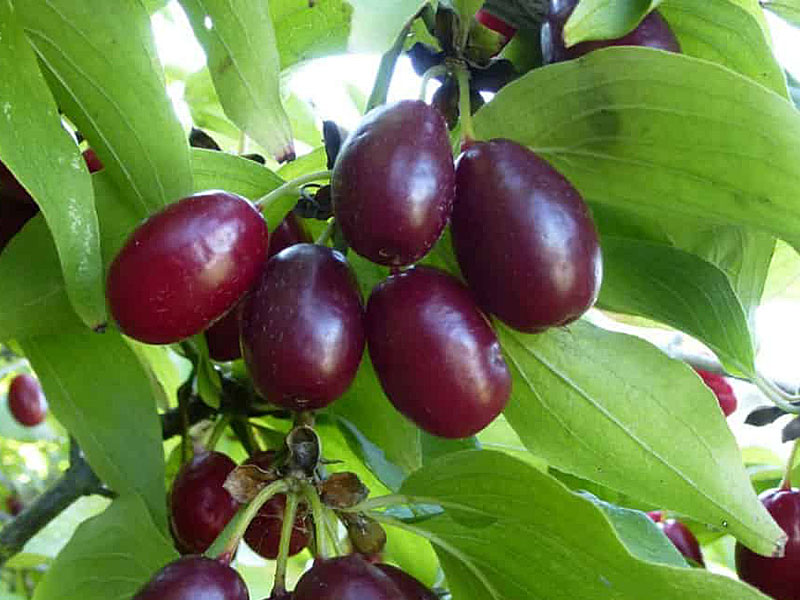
x=524, y=238
x=435, y=354
x=194, y=578
x=93, y=163
x=223, y=336
x=680, y=536
x=26, y=400
x=263, y=534
x=652, y=32
x=779, y=578
x=722, y=390
x=186, y=266
x=346, y=578
x=410, y=587
x=303, y=328
x=392, y=184
x=200, y=507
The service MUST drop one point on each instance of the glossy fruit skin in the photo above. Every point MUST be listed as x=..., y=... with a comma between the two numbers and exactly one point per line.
x=392, y=184
x=303, y=328
x=17, y=207
x=494, y=23
x=776, y=577
x=410, y=587
x=200, y=507
x=524, y=238
x=652, y=32
x=346, y=578
x=263, y=534
x=435, y=354
x=186, y=266
x=722, y=390
x=680, y=536
x=291, y=231
x=194, y=578
x=93, y=163
x=26, y=400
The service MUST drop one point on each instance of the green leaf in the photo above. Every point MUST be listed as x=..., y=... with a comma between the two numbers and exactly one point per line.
x=110, y=556
x=680, y=290
x=535, y=539
x=613, y=409
x=304, y=32
x=626, y=126
x=304, y=121
x=605, y=19
x=104, y=71
x=242, y=55
x=48, y=542
x=45, y=159
x=786, y=9
x=376, y=25
x=99, y=390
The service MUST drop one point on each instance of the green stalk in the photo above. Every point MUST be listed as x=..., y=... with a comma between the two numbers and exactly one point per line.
x=464, y=107
x=434, y=71
x=289, y=514
x=216, y=433
x=385, y=71
x=318, y=514
x=786, y=482
x=291, y=188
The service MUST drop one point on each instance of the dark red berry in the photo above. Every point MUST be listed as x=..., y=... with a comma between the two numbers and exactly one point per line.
x=410, y=587
x=194, y=578
x=436, y=356
x=779, y=578
x=200, y=507
x=223, y=336
x=186, y=266
x=263, y=534
x=392, y=183
x=11, y=190
x=26, y=400
x=494, y=23
x=652, y=32
x=524, y=238
x=14, y=505
x=92, y=161
x=722, y=390
x=291, y=231
x=346, y=578
x=17, y=207
x=680, y=536
x=302, y=328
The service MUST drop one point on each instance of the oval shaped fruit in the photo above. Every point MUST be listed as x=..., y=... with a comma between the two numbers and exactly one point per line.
x=779, y=578
x=410, y=587
x=93, y=162
x=291, y=231
x=263, y=534
x=722, y=390
x=186, y=266
x=302, y=328
x=194, y=578
x=200, y=507
x=524, y=238
x=392, y=184
x=680, y=536
x=345, y=578
x=435, y=354
x=26, y=400
x=652, y=32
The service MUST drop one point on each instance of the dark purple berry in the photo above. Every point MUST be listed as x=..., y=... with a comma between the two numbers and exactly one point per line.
x=392, y=183
x=302, y=328
x=194, y=578
x=436, y=356
x=779, y=578
x=200, y=507
x=223, y=336
x=26, y=400
x=680, y=536
x=346, y=578
x=524, y=238
x=410, y=587
x=291, y=231
x=653, y=32
x=186, y=266
x=93, y=163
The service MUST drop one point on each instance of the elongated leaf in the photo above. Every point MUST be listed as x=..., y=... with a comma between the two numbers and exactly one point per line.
x=661, y=134
x=529, y=537
x=613, y=409
x=787, y=9
x=605, y=19
x=681, y=290
x=304, y=31
x=376, y=25
x=110, y=556
x=239, y=41
x=45, y=159
x=105, y=73
x=102, y=394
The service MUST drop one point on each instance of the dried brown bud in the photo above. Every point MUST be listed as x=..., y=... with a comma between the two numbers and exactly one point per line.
x=343, y=490
x=245, y=481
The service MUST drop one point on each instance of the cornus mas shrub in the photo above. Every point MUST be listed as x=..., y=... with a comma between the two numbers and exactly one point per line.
x=369, y=371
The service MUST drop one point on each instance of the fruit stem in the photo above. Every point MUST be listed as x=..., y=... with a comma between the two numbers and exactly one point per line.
x=786, y=482
x=219, y=428
x=331, y=525
x=318, y=515
x=224, y=547
x=776, y=396
x=434, y=71
x=464, y=108
x=327, y=233
x=386, y=69
x=279, y=585
x=291, y=188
